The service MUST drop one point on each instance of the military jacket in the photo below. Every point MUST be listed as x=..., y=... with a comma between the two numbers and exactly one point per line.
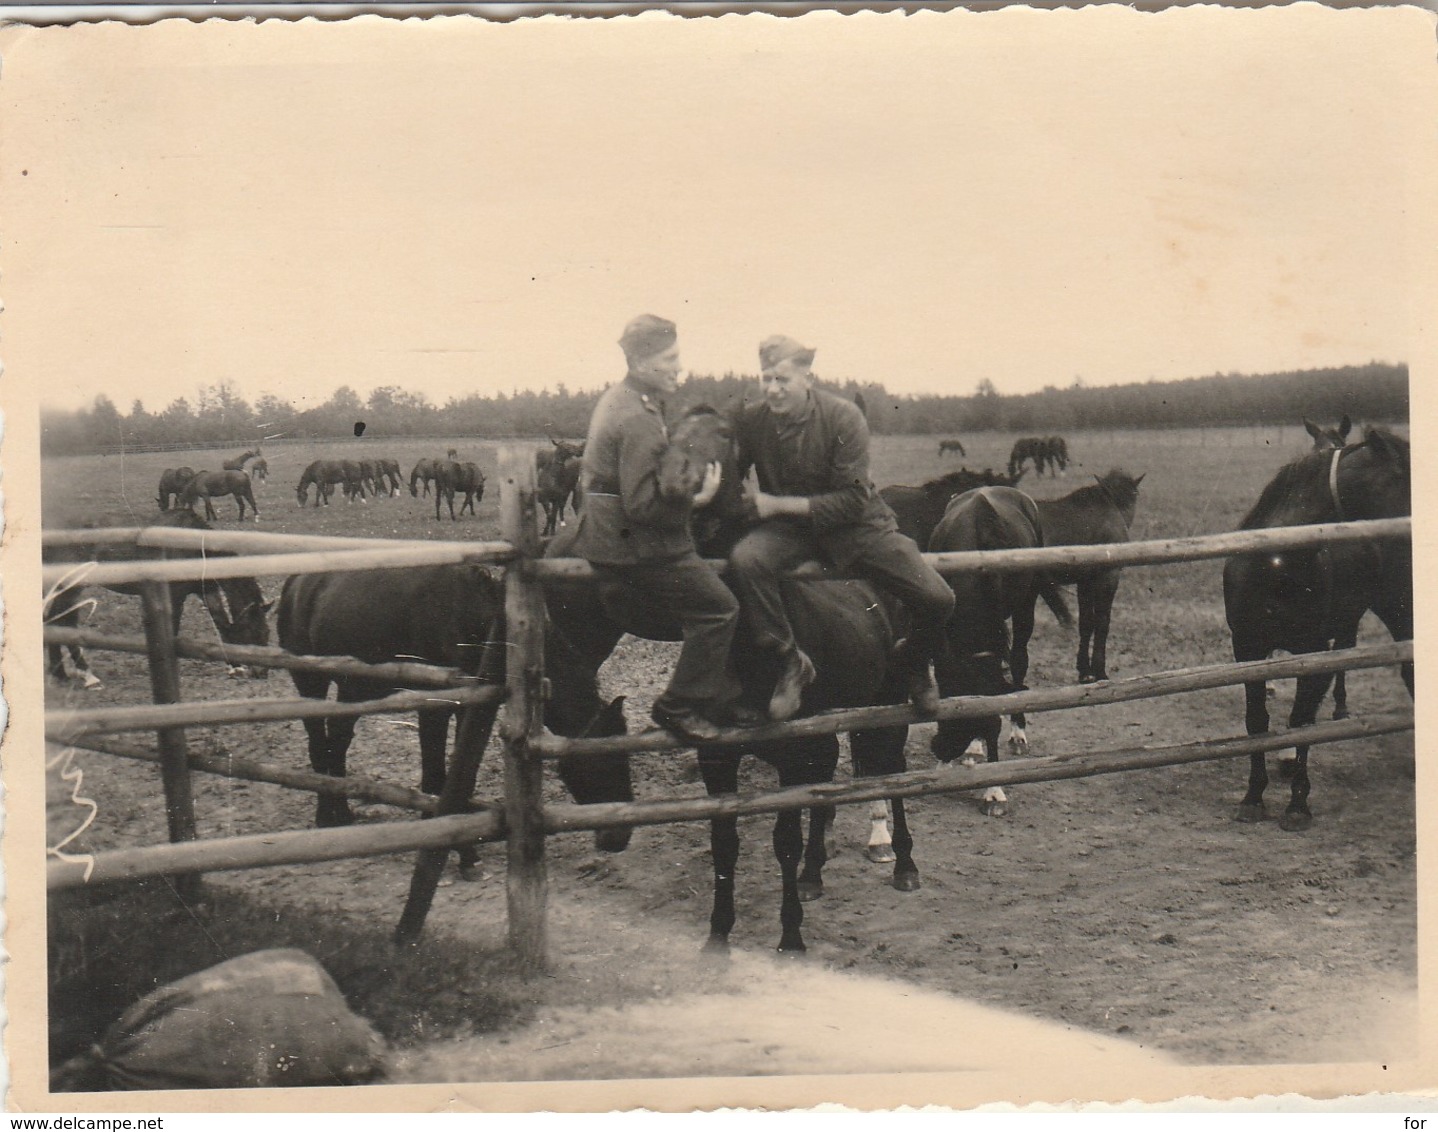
x=627, y=518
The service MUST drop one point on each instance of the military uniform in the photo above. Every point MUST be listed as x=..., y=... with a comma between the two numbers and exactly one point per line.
x=639, y=543
x=822, y=453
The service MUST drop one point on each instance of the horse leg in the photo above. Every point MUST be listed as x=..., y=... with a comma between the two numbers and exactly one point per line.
x=1023, y=630
x=335, y=810
x=1086, y=628
x=433, y=738
x=88, y=680
x=1311, y=690
x=816, y=854
x=720, y=770
x=996, y=802
x=1105, y=589
x=880, y=847
x=788, y=848
x=882, y=752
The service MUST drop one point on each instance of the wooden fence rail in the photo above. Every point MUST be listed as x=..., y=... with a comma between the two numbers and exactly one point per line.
x=1149, y=686
x=1148, y=553
x=307, y=846
x=67, y=726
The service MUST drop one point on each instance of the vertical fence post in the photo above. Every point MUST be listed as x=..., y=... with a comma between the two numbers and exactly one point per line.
x=523, y=710
x=157, y=613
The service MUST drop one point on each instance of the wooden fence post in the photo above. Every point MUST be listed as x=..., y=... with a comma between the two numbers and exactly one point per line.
x=524, y=616
x=157, y=612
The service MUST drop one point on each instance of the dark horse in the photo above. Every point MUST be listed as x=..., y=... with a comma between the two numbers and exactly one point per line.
x=236, y=605
x=208, y=485
x=558, y=483
x=980, y=645
x=441, y=615
x=451, y=477
x=1094, y=515
x=847, y=627
x=1325, y=438
x=1046, y=452
x=919, y=509
x=947, y=446
x=173, y=482
x=388, y=477
x=323, y=474
x=260, y=470
x=423, y=473
x=1309, y=600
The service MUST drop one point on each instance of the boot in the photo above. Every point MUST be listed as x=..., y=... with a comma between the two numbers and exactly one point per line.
x=797, y=675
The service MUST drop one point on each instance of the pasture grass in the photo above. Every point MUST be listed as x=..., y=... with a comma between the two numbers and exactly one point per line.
x=110, y=946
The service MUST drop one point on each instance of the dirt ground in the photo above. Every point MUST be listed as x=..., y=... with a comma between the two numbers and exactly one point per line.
x=1130, y=906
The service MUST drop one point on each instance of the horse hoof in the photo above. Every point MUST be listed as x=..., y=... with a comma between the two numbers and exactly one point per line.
x=1293, y=821
x=470, y=872
x=1088, y=678
x=716, y=948
x=907, y=881
x=881, y=854
x=968, y=760
x=995, y=809
x=792, y=950
x=1018, y=747
x=1250, y=814
x=1340, y=713
x=810, y=890
x=90, y=682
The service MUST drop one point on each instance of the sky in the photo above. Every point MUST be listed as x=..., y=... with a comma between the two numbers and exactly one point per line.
x=1032, y=198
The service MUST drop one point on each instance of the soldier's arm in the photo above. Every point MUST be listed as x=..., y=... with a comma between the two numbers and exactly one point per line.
x=640, y=448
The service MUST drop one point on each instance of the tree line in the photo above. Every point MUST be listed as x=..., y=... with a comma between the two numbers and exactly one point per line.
x=220, y=416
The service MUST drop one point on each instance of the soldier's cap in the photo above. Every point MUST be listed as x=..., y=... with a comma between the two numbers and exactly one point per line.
x=780, y=347
x=646, y=336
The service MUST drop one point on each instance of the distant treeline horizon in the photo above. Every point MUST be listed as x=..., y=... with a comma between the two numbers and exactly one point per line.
x=1377, y=391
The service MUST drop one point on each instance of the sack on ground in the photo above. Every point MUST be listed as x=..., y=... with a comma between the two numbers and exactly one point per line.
x=269, y=1018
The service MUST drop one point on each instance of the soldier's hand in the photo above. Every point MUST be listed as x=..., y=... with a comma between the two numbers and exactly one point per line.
x=713, y=475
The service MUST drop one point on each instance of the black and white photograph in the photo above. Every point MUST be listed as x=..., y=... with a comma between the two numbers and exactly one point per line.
x=749, y=560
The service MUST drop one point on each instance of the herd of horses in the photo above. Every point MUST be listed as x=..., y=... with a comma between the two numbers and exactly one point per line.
x=1046, y=453
x=1299, y=601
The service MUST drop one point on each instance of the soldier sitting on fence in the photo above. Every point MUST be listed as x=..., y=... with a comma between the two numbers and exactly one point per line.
x=637, y=536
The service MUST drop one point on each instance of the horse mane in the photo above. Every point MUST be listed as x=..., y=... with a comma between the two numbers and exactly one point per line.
x=1281, y=486
x=965, y=478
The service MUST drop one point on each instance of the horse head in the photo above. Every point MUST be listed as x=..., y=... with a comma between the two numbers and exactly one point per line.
x=1375, y=477
x=1122, y=489
x=701, y=437
x=1326, y=438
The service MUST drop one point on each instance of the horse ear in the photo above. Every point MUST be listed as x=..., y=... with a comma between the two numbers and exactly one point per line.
x=1345, y=426
x=1139, y=480
x=1313, y=430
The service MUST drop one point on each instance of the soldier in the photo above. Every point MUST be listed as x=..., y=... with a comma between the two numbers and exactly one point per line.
x=638, y=539
x=810, y=451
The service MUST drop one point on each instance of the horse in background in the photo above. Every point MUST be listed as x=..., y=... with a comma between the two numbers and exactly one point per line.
x=322, y=475
x=849, y=629
x=919, y=509
x=353, y=480
x=173, y=482
x=211, y=485
x=983, y=657
x=451, y=477
x=237, y=463
x=558, y=482
x=235, y=605
x=1309, y=600
x=1095, y=515
x=260, y=470
x=440, y=615
x=423, y=473
x=1048, y=453
x=947, y=446
x=389, y=477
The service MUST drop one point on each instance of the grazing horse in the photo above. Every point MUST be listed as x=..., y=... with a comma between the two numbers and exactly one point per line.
x=558, y=483
x=1046, y=452
x=423, y=474
x=980, y=645
x=173, y=482
x=848, y=627
x=1305, y=601
x=208, y=485
x=1091, y=516
x=369, y=476
x=260, y=470
x=323, y=474
x=236, y=605
x=237, y=463
x=440, y=615
x=451, y=477
x=389, y=476
x=947, y=446
x=919, y=509
x=354, y=480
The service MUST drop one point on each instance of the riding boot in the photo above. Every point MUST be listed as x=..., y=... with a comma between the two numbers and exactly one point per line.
x=798, y=674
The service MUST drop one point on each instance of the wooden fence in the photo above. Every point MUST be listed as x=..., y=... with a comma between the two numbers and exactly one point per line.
x=522, y=820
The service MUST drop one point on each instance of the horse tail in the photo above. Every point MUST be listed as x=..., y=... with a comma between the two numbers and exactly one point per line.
x=1057, y=603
